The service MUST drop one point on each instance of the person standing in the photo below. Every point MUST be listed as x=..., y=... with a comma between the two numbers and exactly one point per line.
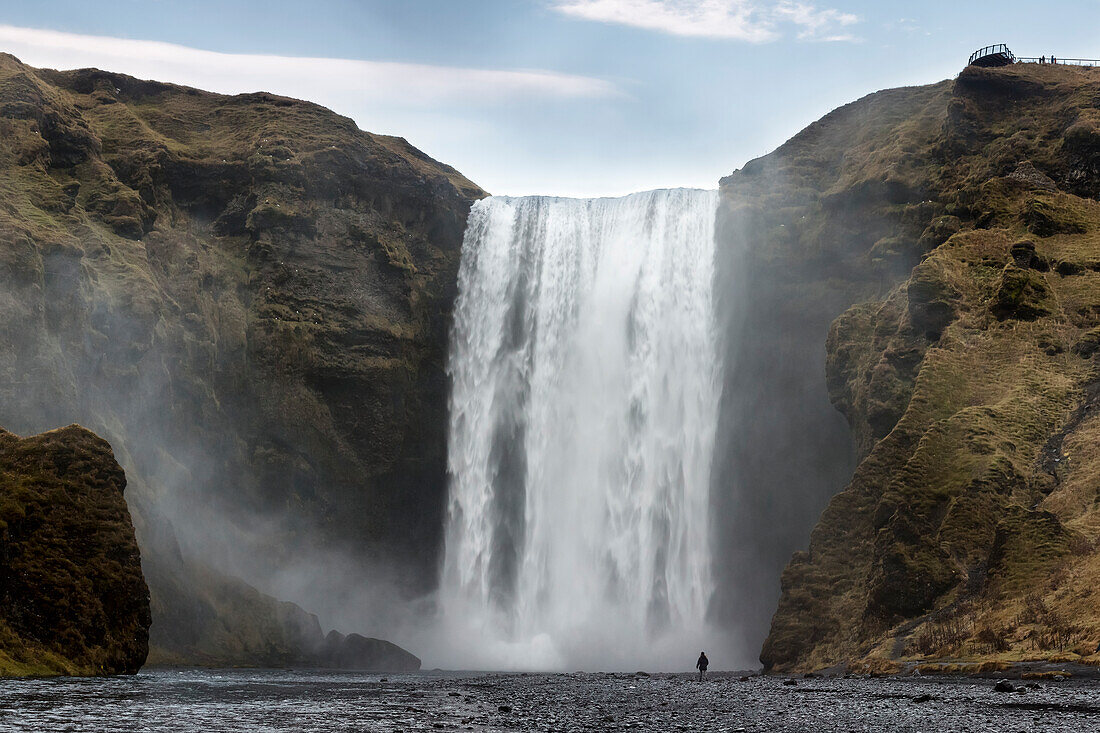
x=702, y=665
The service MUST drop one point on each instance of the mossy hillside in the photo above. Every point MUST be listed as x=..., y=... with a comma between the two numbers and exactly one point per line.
x=248, y=295
x=963, y=378
x=72, y=596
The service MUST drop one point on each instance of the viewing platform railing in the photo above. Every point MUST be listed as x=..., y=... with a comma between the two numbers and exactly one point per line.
x=1059, y=62
x=999, y=51
x=1000, y=55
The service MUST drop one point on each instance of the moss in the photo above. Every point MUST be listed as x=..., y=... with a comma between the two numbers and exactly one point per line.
x=1045, y=217
x=1088, y=344
x=1021, y=294
x=73, y=599
x=938, y=231
x=931, y=299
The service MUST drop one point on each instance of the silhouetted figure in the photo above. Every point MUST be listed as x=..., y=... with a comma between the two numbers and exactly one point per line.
x=702, y=665
x=1053, y=60
x=1042, y=59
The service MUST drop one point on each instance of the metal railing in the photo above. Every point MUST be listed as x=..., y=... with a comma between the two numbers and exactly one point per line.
x=998, y=49
x=1059, y=61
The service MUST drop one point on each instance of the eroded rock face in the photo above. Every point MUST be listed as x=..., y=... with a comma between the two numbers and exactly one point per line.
x=248, y=296
x=72, y=596
x=963, y=363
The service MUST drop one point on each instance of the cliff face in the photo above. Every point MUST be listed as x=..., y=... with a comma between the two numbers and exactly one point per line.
x=250, y=298
x=795, y=229
x=960, y=223
x=72, y=596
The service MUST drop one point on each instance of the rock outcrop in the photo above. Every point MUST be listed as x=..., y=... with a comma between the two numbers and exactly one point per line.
x=212, y=619
x=250, y=298
x=358, y=652
x=957, y=227
x=72, y=597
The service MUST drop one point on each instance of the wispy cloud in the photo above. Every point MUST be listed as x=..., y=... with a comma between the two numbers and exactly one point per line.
x=383, y=82
x=754, y=21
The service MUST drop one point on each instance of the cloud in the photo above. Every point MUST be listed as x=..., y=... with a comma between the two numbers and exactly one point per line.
x=383, y=82
x=742, y=20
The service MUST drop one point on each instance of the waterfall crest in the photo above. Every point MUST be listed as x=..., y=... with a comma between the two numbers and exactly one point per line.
x=585, y=390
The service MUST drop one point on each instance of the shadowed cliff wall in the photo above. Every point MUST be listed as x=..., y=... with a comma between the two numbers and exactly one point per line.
x=796, y=230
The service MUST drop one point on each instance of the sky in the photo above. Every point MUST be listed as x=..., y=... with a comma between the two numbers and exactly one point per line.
x=556, y=97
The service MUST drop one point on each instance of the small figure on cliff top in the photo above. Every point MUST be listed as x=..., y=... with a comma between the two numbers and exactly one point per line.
x=1042, y=59
x=1053, y=60
x=702, y=665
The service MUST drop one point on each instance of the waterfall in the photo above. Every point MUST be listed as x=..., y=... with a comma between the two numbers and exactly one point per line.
x=585, y=388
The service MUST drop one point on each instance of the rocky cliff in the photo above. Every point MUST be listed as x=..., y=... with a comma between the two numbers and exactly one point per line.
x=953, y=232
x=249, y=297
x=72, y=596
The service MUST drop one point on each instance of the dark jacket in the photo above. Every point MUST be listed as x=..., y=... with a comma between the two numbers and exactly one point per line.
x=703, y=662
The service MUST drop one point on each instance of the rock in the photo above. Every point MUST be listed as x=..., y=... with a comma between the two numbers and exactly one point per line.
x=922, y=698
x=1047, y=216
x=1067, y=268
x=938, y=231
x=790, y=682
x=1004, y=686
x=1021, y=294
x=1024, y=255
x=932, y=300
x=361, y=653
x=1031, y=177
x=73, y=600
x=504, y=708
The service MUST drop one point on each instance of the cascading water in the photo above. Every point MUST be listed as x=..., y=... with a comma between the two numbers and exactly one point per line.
x=583, y=409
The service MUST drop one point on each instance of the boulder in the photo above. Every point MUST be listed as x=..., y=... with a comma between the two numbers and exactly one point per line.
x=73, y=600
x=354, y=651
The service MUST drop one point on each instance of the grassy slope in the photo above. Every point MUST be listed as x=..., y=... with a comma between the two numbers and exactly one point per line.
x=970, y=528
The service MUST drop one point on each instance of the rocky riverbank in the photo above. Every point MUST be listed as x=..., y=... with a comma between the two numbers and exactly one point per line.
x=190, y=700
